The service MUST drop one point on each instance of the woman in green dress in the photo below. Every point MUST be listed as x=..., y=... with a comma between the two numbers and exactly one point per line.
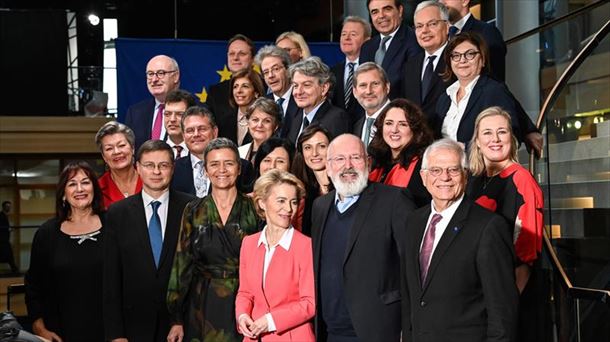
x=204, y=278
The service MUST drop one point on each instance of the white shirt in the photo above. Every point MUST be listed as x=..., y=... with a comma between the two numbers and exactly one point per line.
x=438, y=53
x=286, y=98
x=161, y=211
x=346, y=69
x=441, y=226
x=374, y=116
x=183, y=153
x=460, y=23
x=152, y=126
x=194, y=161
x=451, y=123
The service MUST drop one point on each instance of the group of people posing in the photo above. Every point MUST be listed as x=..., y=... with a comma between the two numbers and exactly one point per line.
x=378, y=200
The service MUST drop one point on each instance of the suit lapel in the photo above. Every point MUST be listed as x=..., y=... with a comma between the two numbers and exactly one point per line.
x=327, y=202
x=172, y=228
x=321, y=112
x=416, y=81
x=437, y=80
x=141, y=227
x=396, y=45
x=420, y=229
x=455, y=226
x=364, y=205
x=340, y=86
x=474, y=98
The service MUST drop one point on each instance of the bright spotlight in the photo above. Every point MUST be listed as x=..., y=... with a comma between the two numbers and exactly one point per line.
x=93, y=19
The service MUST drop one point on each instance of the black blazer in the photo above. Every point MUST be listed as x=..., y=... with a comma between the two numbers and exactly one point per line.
x=334, y=119
x=469, y=294
x=354, y=110
x=224, y=114
x=134, y=289
x=495, y=44
x=291, y=111
x=402, y=47
x=139, y=118
x=183, y=181
x=371, y=270
x=486, y=93
x=411, y=85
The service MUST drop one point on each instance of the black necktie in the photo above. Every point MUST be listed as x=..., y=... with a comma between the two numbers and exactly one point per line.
x=348, y=84
x=452, y=31
x=427, y=79
x=305, y=122
x=178, y=151
x=279, y=102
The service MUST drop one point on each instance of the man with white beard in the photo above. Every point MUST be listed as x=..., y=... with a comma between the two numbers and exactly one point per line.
x=357, y=232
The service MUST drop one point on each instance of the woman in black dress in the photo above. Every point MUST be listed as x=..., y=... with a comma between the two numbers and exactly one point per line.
x=64, y=282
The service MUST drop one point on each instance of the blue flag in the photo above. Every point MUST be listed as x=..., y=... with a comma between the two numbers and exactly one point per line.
x=202, y=64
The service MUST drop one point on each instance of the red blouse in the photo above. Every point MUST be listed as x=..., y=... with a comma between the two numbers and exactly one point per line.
x=111, y=192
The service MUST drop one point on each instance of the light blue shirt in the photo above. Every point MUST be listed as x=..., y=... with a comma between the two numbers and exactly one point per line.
x=347, y=202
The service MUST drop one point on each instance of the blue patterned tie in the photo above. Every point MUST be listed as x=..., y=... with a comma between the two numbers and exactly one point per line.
x=154, y=232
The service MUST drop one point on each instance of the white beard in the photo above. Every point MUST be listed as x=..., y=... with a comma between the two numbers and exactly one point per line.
x=348, y=189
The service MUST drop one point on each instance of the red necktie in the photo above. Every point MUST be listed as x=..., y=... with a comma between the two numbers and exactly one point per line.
x=156, y=130
x=426, y=248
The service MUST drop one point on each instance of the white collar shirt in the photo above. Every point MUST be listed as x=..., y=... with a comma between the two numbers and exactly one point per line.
x=161, y=211
x=451, y=123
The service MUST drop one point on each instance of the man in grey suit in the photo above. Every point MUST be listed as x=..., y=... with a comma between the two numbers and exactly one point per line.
x=458, y=262
x=139, y=247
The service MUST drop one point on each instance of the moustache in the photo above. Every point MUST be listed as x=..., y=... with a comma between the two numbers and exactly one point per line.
x=350, y=171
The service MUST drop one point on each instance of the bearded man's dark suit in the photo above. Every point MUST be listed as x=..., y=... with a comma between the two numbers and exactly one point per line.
x=402, y=47
x=135, y=289
x=371, y=270
x=469, y=294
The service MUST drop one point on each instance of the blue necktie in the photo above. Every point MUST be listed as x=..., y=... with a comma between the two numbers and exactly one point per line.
x=154, y=232
x=453, y=31
x=279, y=102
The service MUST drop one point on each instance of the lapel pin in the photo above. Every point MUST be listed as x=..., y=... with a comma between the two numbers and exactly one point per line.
x=456, y=229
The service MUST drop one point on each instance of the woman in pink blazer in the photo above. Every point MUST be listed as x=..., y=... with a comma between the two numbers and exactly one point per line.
x=275, y=301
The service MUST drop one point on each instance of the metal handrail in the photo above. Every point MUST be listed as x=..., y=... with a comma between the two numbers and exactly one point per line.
x=575, y=292
x=556, y=21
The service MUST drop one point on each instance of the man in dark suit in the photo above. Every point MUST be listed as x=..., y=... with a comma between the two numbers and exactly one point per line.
x=354, y=33
x=371, y=89
x=357, y=234
x=199, y=128
x=274, y=62
x=311, y=83
x=422, y=82
x=145, y=118
x=240, y=56
x=399, y=43
x=139, y=246
x=458, y=272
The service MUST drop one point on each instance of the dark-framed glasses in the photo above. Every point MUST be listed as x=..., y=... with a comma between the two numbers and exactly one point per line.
x=158, y=73
x=468, y=55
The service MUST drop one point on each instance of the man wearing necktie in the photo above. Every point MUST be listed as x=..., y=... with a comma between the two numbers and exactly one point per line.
x=354, y=33
x=176, y=104
x=395, y=43
x=458, y=272
x=371, y=89
x=145, y=118
x=141, y=238
x=422, y=82
x=310, y=86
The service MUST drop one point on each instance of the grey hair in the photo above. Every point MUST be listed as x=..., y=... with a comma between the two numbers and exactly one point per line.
x=219, y=143
x=368, y=66
x=312, y=67
x=272, y=51
x=114, y=127
x=356, y=19
x=267, y=106
x=444, y=11
x=445, y=144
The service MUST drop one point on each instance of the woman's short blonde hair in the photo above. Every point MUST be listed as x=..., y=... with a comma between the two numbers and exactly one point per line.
x=475, y=156
x=298, y=39
x=263, y=185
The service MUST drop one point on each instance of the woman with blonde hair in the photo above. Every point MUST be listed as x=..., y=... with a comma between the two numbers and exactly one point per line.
x=294, y=44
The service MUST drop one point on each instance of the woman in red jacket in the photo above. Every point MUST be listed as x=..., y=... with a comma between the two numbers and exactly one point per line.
x=275, y=301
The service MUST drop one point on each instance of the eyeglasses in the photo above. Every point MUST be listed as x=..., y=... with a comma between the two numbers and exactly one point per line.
x=468, y=55
x=356, y=159
x=452, y=171
x=163, y=166
x=432, y=24
x=158, y=73
x=198, y=129
x=273, y=70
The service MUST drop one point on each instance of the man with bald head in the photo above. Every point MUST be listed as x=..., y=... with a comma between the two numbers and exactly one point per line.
x=146, y=118
x=357, y=233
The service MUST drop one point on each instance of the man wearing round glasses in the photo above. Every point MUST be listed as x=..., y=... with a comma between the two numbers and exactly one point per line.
x=458, y=260
x=357, y=232
x=146, y=118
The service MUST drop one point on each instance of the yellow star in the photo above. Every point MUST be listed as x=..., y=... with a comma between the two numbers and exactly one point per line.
x=203, y=96
x=256, y=68
x=225, y=74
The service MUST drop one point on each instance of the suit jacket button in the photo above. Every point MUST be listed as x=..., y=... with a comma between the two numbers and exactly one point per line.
x=422, y=303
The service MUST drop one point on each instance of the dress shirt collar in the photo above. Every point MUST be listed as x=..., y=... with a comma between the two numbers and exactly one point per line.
x=452, y=90
x=355, y=61
x=392, y=35
x=347, y=202
x=164, y=198
x=438, y=53
x=285, y=96
x=313, y=112
x=449, y=211
x=194, y=160
x=460, y=23
x=284, y=241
